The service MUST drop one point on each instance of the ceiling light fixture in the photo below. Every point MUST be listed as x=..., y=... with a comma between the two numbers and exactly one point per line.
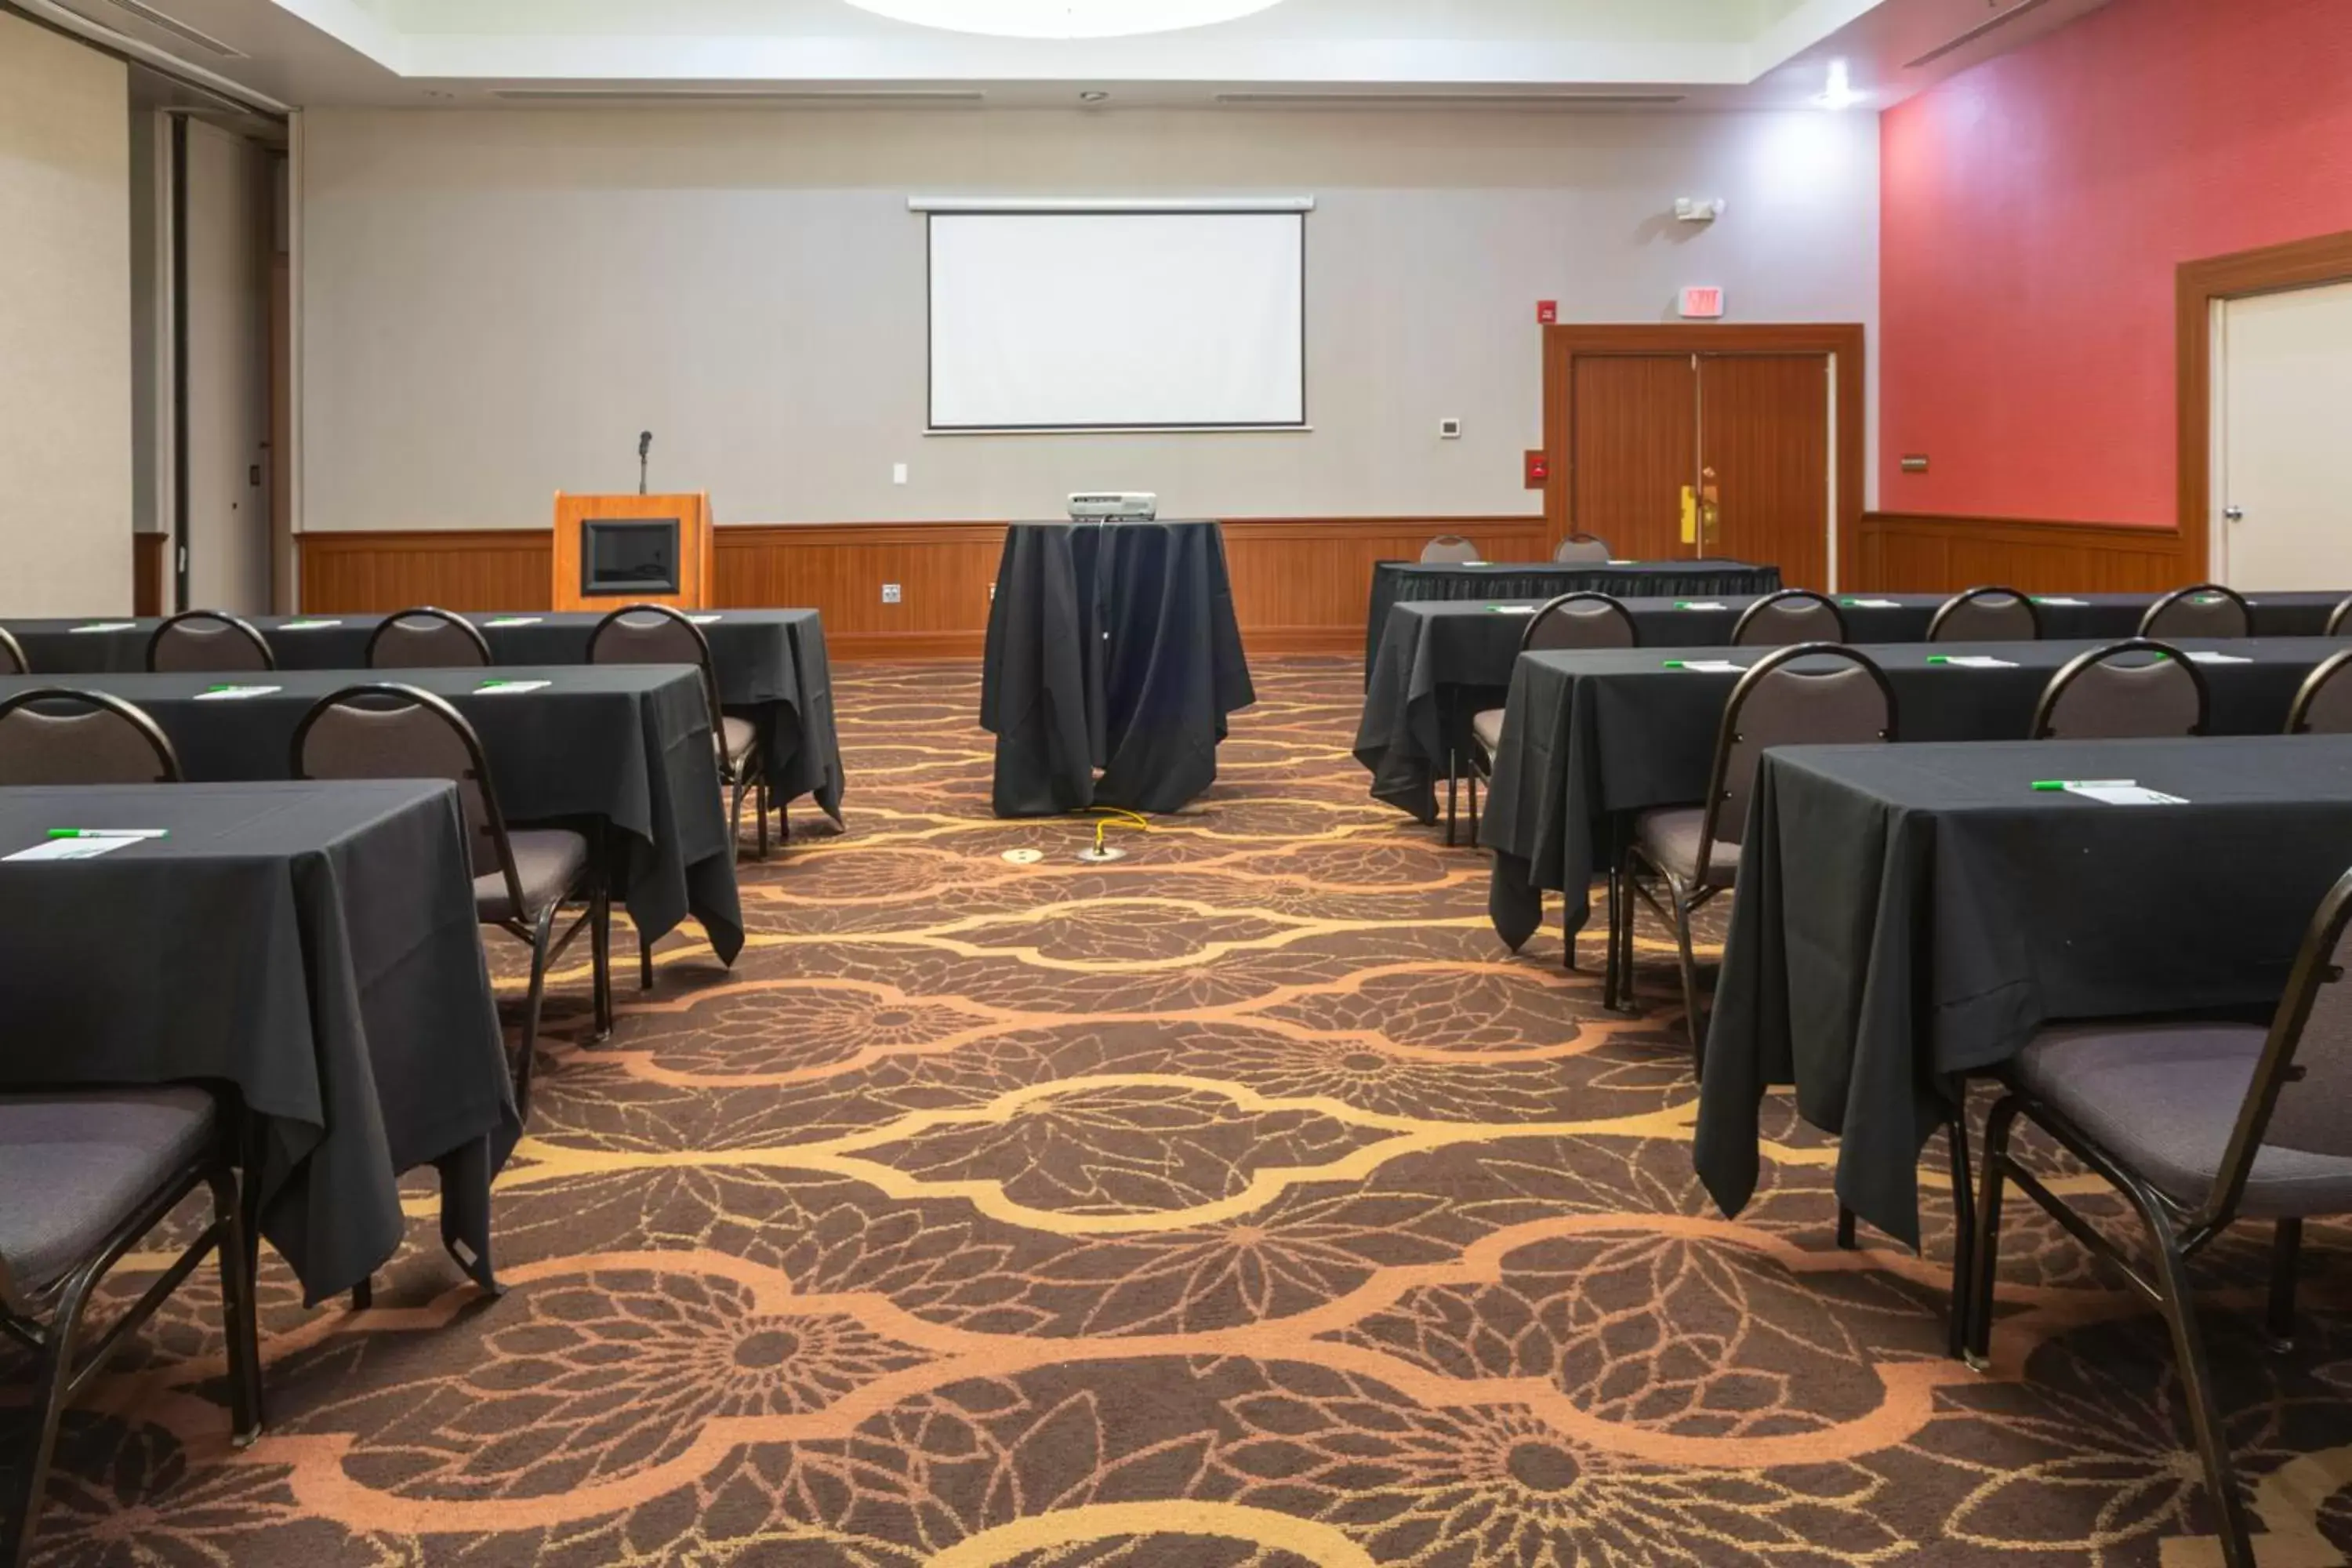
x=1063, y=18
x=1841, y=93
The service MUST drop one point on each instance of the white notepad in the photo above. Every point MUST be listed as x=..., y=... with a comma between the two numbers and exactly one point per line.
x=2076, y=603
x=308, y=626
x=1511, y=609
x=2203, y=656
x=107, y=626
x=2123, y=794
x=235, y=693
x=1709, y=606
x=1874, y=604
x=703, y=620
x=1712, y=665
x=510, y=687
x=72, y=849
x=1979, y=661
x=515, y=621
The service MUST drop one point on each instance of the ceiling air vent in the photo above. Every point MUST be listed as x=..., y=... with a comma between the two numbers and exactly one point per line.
x=1962, y=40
x=162, y=23
x=876, y=97
x=1311, y=100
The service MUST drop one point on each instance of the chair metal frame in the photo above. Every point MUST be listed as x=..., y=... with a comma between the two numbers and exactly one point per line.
x=13, y=652
x=2046, y=706
x=2298, y=712
x=1481, y=765
x=1763, y=606
x=1475, y=553
x=237, y=624
x=2175, y=1232
x=1680, y=902
x=430, y=613
x=1952, y=607
x=1578, y=537
x=740, y=775
x=537, y=932
x=2337, y=617
x=2148, y=622
x=56, y=1346
x=130, y=714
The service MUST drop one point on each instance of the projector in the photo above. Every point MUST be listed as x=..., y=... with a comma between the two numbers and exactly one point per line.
x=1111, y=506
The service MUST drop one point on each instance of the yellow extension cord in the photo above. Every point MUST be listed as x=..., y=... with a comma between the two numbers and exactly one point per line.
x=1110, y=813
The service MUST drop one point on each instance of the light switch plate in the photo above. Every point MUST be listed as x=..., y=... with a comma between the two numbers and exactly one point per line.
x=898, y=473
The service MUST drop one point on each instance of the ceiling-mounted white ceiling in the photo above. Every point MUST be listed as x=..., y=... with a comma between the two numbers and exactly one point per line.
x=1063, y=18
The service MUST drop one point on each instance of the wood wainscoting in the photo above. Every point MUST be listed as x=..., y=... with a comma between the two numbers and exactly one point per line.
x=1300, y=584
x=1905, y=552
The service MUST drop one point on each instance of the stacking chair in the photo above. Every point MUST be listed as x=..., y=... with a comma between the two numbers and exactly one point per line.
x=1583, y=548
x=208, y=642
x=87, y=1174
x=1790, y=616
x=2197, y=1125
x=2324, y=704
x=56, y=736
x=1689, y=855
x=655, y=634
x=2339, y=619
x=12, y=654
x=1449, y=550
x=1583, y=619
x=427, y=639
x=1987, y=614
x=2205, y=610
x=2098, y=697
x=522, y=878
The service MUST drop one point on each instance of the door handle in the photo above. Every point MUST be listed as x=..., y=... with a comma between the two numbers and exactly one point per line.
x=2234, y=513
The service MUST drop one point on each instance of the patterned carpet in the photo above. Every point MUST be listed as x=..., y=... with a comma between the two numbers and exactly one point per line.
x=1239, y=1205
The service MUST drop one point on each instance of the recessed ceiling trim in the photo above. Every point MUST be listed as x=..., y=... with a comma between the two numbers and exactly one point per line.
x=1110, y=204
x=1407, y=98
x=946, y=97
x=163, y=62
x=1963, y=39
x=177, y=28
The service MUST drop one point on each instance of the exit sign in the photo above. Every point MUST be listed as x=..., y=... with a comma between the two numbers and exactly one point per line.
x=1702, y=304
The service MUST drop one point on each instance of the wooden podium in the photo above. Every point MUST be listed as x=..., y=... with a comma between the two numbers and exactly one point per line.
x=612, y=551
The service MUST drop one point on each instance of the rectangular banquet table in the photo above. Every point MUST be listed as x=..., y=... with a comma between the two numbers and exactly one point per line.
x=312, y=946
x=770, y=665
x=1406, y=582
x=1440, y=661
x=626, y=745
x=1591, y=736
x=1905, y=913
x=1111, y=647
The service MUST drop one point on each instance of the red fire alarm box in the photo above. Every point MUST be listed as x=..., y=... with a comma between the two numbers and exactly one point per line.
x=1538, y=470
x=1547, y=312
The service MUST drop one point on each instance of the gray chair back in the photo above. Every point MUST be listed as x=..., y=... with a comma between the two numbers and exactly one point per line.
x=655, y=634
x=2206, y=610
x=381, y=731
x=1582, y=547
x=1814, y=694
x=1790, y=616
x=2127, y=690
x=208, y=642
x=2301, y=1094
x=55, y=736
x=1987, y=614
x=2324, y=704
x=1582, y=620
x=12, y=654
x=1449, y=550
x=427, y=639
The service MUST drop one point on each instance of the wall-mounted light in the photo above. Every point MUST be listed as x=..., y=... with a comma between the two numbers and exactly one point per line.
x=1840, y=93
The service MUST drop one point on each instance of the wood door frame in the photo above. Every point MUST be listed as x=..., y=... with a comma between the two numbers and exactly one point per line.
x=1846, y=339
x=2200, y=287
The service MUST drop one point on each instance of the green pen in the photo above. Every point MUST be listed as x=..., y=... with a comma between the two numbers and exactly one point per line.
x=1946, y=658
x=109, y=832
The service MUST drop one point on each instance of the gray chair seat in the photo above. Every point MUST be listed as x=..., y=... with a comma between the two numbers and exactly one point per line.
x=2163, y=1099
x=1670, y=839
x=737, y=739
x=1488, y=729
x=75, y=1165
x=547, y=863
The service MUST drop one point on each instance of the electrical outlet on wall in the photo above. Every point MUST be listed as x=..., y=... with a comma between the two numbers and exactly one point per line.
x=890, y=593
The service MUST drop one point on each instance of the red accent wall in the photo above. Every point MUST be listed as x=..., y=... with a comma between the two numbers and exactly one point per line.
x=2034, y=210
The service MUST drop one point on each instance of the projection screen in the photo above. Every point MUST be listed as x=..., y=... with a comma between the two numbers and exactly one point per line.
x=1046, y=321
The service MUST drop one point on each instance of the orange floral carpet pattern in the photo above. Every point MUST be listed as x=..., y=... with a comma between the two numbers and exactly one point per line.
x=1241, y=1203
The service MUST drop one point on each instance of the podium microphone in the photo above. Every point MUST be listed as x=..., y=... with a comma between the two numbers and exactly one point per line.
x=645, y=446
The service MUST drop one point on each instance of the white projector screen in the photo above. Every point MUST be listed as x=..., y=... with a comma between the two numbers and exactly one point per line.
x=1100, y=321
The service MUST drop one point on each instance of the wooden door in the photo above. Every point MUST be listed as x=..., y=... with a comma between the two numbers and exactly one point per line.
x=1764, y=432
x=1634, y=444
x=2286, y=375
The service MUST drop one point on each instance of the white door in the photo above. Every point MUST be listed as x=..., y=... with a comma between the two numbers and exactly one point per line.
x=2284, y=514
x=228, y=372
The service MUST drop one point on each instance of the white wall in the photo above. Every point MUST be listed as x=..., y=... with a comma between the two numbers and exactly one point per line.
x=65, y=325
x=495, y=304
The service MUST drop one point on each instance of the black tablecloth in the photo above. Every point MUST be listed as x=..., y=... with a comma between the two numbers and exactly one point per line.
x=1590, y=736
x=314, y=946
x=770, y=666
x=1402, y=582
x=1909, y=912
x=1440, y=662
x=1110, y=647
x=628, y=745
